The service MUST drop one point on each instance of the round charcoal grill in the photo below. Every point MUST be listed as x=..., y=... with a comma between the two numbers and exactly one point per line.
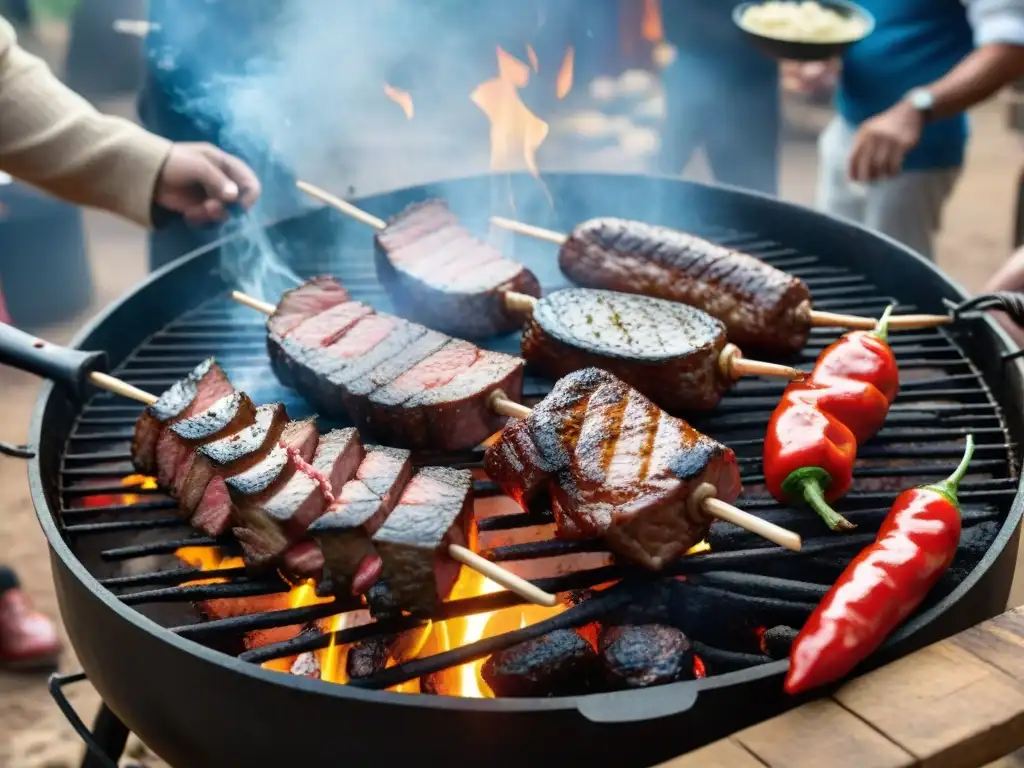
x=189, y=689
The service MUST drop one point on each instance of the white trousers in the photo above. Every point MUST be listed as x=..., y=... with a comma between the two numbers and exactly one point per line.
x=907, y=208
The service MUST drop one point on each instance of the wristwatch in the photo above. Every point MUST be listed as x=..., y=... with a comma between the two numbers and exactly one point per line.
x=923, y=101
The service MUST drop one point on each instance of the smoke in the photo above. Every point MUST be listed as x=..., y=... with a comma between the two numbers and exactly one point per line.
x=295, y=87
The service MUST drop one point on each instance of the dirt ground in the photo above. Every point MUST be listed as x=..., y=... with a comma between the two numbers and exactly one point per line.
x=974, y=241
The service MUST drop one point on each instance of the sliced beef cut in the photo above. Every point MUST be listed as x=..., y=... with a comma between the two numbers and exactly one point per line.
x=558, y=663
x=311, y=298
x=433, y=512
x=261, y=537
x=761, y=307
x=329, y=326
x=345, y=532
x=337, y=458
x=638, y=656
x=407, y=385
x=301, y=438
x=668, y=351
x=445, y=396
x=195, y=393
x=176, y=446
x=440, y=275
x=303, y=561
x=230, y=455
x=618, y=468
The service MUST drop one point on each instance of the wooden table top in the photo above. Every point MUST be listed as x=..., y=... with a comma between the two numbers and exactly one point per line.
x=956, y=704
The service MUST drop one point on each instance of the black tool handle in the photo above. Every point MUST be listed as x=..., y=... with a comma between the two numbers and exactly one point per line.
x=1010, y=302
x=68, y=368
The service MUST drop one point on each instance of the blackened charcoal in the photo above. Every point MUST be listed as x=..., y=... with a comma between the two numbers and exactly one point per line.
x=638, y=656
x=556, y=664
x=777, y=641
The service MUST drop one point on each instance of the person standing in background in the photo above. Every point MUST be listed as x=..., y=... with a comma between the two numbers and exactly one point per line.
x=720, y=94
x=892, y=155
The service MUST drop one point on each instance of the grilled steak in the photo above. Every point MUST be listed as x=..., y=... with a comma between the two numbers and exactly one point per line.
x=761, y=307
x=203, y=493
x=195, y=393
x=558, y=663
x=360, y=507
x=640, y=656
x=337, y=458
x=176, y=446
x=303, y=561
x=668, y=351
x=409, y=386
x=446, y=278
x=433, y=512
x=260, y=536
x=617, y=466
x=311, y=298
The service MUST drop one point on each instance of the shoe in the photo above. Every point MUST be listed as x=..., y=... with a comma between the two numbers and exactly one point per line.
x=28, y=640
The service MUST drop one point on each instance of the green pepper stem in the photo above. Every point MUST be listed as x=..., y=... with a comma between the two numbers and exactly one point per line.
x=808, y=484
x=951, y=484
x=882, y=326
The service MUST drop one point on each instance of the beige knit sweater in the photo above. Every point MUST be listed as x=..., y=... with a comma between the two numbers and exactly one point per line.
x=52, y=138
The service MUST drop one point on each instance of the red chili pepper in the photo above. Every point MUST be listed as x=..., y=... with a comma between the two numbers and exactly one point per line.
x=811, y=445
x=883, y=585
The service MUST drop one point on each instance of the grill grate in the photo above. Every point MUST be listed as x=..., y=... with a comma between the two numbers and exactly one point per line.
x=943, y=397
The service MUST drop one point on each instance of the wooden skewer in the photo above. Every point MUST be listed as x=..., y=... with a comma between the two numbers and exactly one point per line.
x=818, y=319
x=467, y=557
x=500, y=403
x=732, y=363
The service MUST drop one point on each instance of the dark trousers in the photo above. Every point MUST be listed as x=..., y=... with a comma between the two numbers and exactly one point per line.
x=8, y=579
x=735, y=118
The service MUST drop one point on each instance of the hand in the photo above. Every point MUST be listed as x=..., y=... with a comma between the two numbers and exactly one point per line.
x=199, y=181
x=883, y=141
x=809, y=77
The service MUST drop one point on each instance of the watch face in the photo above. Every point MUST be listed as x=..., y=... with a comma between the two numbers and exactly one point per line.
x=922, y=99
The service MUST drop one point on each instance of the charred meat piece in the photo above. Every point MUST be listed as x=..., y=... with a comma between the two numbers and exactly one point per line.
x=618, y=468
x=433, y=512
x=407, y=385
x=668, y=351
x=195, y=393
x=345, y=532
x=176, y=446
x=761, y=307
x=337, y=458
x=303, y=561
x=225, y=457
x=445, y=277
x=367, y=657
x=638, y=656
x=558, y=663
x=260, y=536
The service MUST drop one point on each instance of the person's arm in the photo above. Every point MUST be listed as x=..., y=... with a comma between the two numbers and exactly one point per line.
x=52, y=138
x=998, y=59
x=1010, y=277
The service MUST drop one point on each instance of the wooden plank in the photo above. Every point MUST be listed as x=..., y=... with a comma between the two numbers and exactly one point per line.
x=1016, y=760
x=821, y=734
x=999, y=642
x=721, y=754
x=943, y=705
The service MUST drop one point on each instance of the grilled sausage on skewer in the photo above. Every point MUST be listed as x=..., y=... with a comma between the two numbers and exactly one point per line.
x=439, y=274
x=762, y=307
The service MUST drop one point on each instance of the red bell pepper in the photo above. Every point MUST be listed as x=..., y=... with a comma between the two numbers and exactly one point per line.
x=811, y=445
x=883, y=585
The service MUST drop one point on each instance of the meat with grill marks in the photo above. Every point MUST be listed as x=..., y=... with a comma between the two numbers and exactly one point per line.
x=668, y=351
x=409, y=386
x=762, y=307
x=433, y=512
x=193, y=394
x=204, y=494
x=344, y=534
x=176, y=446
x=617, y=467
x=440, y=275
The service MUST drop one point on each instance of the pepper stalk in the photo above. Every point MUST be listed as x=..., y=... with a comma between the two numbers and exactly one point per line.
x=948, y=488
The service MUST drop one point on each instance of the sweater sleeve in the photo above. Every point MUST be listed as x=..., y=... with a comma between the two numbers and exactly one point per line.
x=52, y=138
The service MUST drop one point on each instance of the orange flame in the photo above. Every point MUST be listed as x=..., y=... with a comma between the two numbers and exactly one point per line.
x=699, y=669
x=401, y=98
x=516, y=132
x=563, y=82
x=531, y=56
x=651, y=28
